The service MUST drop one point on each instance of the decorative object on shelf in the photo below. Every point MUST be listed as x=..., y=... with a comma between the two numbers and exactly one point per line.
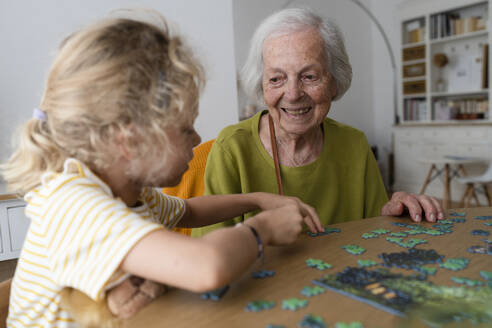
x=440, y=60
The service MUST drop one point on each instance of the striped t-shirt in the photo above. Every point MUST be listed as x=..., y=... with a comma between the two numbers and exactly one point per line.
x=78, y=236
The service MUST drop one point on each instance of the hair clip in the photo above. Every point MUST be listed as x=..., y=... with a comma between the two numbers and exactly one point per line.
x=39, y=114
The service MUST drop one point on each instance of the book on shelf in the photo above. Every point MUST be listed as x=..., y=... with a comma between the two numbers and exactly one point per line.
x=462, y=109
x=485, y=66
x=415, y=110
x=449, y=24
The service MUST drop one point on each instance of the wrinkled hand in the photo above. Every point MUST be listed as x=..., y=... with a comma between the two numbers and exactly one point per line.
x=282, y=225
x=129, y=297
x=269, y=201
x=417, y=206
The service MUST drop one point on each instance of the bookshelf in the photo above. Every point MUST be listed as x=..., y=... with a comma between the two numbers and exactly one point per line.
x=444, y=60
x=444, y=91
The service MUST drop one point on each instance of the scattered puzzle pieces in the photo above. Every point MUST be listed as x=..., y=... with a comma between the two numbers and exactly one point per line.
x=366, y=263
x=311, y=321
x=487, y=275
x=318, y=264
x=274, y=326
x=400, y=224
x=216, y=294
x=467, y=281
x=354, y=324
x=369, y=235
x=257, y=306
x=480, y=232
x=457, y=220
x=354, y=249
x=483, y=217
x=455, y=264
x=310, y=291
x=263, y=274
x=326, y=232
x=294, y=304
x=413, y=259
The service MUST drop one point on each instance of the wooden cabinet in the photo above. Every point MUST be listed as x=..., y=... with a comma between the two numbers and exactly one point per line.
x=13, y=227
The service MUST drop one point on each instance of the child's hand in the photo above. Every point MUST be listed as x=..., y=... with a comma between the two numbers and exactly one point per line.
x=267, y=201
x=279, y=226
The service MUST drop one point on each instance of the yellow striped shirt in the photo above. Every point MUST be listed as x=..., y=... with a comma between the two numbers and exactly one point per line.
x=78, y=236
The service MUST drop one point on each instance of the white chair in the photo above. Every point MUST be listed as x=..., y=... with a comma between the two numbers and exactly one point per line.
x=473, y=182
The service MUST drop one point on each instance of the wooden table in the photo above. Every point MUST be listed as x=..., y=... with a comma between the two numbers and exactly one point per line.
x=452, y=166
x=179, y=308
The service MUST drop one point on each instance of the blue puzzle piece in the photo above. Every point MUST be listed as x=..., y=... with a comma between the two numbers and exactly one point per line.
x=480, y=232
x=263, y=274
x=483, y=217
x=257, y=306
x=457, y=214
x=216, y=294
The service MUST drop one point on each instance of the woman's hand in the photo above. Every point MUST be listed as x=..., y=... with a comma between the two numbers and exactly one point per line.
x=267, y=201
x=417, y=206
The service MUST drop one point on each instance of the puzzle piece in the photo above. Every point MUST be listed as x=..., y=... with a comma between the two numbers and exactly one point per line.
x=354, y=249
x=455, y=264
x=457, y=214
x=446, y=221
x=368, y=235
x=457, y=220
x=483, y=217
x=487, y=241
x=310, y=291
x=257, y=306
x=410, y=243
x=467, y=281
x=487, y=275
x=380, y=231
x=488, y=224
x=478, y=249
x=426, y=270
x=400, y=224
x=446, y=228
x=311, y=321
x=216, y=294
x=318, y=264
x=294, y=304
x=366, y=263
x=480, y=232
x=274, y=326
x=354, y=324
x=398, y=234
x=263, y=274
x=326, y=232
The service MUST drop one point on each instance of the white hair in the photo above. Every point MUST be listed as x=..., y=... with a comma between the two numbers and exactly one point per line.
x=293, y=20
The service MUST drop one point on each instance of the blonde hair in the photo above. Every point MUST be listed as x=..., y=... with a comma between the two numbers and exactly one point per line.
x=117, y=77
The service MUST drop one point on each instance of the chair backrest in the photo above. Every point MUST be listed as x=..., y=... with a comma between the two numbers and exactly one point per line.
x=4, y=301
x=192, y=184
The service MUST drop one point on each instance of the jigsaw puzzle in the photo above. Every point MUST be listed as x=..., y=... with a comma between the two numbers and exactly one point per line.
x=216, y=294
x=257, y=306
x=294, y=304
x=311, y=321
x=354, y=249
x=318, y=264
x=311, y=291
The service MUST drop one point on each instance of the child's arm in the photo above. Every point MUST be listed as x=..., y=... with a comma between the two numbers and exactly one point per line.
x=206, y=210
x=201, y=264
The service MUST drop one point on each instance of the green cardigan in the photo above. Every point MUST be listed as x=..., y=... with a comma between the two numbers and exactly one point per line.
x=342, y=184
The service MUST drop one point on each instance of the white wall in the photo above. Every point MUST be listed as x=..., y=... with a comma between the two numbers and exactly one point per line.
x=30, y=31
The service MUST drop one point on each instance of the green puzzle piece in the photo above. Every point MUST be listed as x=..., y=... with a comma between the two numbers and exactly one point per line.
x=427, y=270
x=318, y=264
x=455, y=264
x=487, y=275
x=293, y=304
x=354, y=249
x=380, y=231
x=354, y=324
x=311, y=321
x=310, y=291
x=398, y=234
x=467, y=281
x=256, y=306
x=366, y=263
x=368, y=235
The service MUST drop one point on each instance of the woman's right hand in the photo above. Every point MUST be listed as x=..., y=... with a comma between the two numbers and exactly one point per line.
x=279, y=226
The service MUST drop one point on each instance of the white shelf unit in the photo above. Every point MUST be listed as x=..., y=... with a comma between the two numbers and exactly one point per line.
x=431, y=137
x=454, y=93
x=13, y=227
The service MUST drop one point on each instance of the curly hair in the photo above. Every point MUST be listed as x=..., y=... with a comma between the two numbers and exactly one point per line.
x=117, y=77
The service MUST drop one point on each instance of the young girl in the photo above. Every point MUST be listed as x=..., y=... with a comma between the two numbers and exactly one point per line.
x=116, y=120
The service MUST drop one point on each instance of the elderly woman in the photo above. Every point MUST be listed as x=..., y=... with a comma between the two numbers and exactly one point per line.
x=297, y=66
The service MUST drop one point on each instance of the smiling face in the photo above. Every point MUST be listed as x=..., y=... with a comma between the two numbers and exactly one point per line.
x=297, y=86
